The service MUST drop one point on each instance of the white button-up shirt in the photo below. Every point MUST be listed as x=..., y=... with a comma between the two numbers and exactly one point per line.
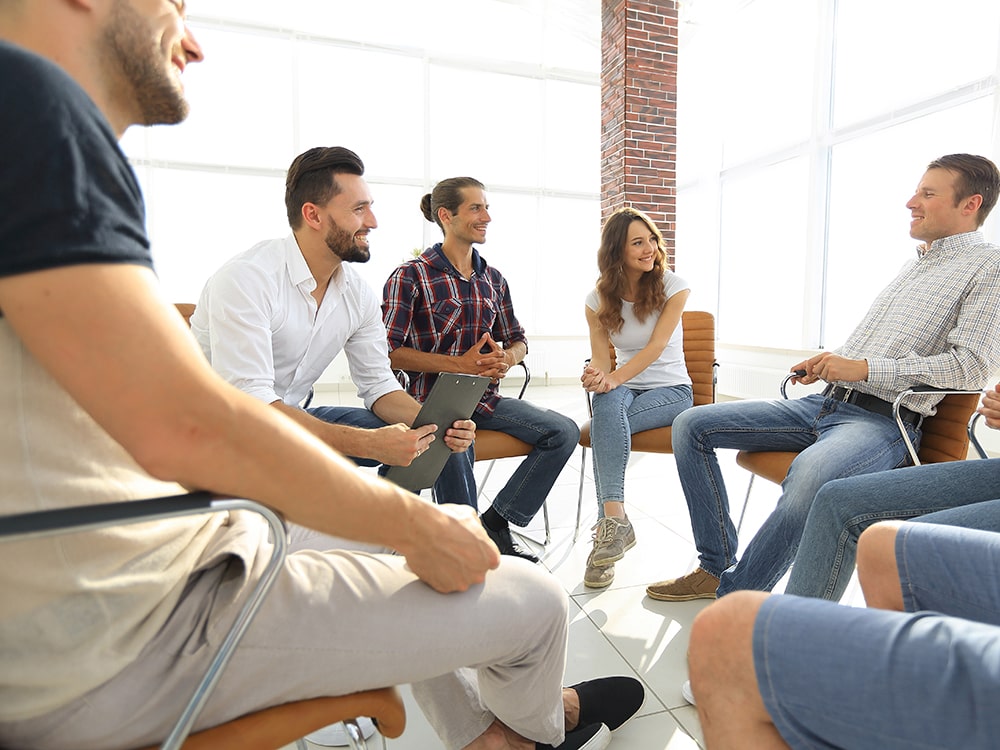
x=262, y=330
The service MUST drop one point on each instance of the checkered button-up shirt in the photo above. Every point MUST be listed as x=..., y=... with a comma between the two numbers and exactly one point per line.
x=936, y=324
x=428, y=306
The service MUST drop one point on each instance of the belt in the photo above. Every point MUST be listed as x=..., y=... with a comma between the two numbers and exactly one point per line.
x=871, y=403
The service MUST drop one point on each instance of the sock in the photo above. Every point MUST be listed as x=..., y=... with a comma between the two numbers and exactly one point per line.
x=494, y=521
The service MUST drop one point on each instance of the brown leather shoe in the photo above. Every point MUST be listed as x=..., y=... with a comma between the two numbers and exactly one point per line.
x=699, y=584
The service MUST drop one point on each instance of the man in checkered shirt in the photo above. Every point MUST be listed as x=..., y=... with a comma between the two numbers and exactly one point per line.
x=936, y=325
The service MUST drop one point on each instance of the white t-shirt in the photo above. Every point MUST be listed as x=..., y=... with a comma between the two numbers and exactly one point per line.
x=669, y=368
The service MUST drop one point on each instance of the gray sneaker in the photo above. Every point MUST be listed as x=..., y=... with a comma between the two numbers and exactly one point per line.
x=598, y=576
x=612, y=539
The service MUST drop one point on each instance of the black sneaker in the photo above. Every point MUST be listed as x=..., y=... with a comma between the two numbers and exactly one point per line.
x=590, y=737
x=502, y=539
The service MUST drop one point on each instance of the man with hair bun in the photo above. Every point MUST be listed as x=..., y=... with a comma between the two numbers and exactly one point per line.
x=449, y=311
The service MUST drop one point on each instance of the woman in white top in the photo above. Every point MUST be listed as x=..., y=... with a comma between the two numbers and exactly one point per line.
x=636, y=307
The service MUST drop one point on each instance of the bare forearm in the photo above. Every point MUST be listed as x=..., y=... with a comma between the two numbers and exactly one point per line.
x=414, y=360
x=131, y=363
x=345, y=439
x=397, y=407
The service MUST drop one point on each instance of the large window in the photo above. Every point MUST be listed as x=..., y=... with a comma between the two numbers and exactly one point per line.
x=507, y=91
x=804, y=126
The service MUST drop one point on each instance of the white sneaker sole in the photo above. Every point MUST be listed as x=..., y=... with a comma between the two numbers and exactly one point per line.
x=686, y=692
x=599, y=741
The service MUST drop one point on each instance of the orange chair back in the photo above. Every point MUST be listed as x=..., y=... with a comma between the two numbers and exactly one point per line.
x=698, y=328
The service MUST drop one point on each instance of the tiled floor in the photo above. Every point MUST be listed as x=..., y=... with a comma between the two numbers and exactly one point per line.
x=618, y=630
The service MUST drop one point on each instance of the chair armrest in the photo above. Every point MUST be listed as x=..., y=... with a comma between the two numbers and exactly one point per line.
x=784, y=384
x=49, y=523
x=527, y=378
x=922, y=390
x=974, y=421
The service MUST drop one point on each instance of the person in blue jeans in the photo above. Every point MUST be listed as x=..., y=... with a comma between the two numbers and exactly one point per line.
x=935, y=325
x=948, y=493
x=920, y=667
x=450, y=311
x=636, y=307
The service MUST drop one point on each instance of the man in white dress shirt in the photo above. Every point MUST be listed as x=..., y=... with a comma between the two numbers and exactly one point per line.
x=273, y=318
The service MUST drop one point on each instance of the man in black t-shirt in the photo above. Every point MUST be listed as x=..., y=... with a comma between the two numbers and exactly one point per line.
x=107, y=397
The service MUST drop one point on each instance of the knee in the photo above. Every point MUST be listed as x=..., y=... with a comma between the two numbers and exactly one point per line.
x=722, y=636
x=692, y=422
x=716, y=625
x=539, y=592
x=877, y=549
x=566, y=433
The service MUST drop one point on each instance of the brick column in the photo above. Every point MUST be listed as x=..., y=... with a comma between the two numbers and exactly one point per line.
x=639, y=109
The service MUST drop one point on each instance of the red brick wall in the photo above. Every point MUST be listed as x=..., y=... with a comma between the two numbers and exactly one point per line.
x=639, y=109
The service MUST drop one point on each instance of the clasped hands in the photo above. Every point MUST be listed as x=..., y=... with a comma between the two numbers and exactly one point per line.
x=493, y=364
x=595, y=380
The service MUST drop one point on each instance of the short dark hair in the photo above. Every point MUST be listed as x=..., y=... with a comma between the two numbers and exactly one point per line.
x=447, y=193
x=312, y=178
x=976, y=175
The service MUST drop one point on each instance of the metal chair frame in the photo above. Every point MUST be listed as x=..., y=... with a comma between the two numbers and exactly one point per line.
x=744, y=457
x=48, y=523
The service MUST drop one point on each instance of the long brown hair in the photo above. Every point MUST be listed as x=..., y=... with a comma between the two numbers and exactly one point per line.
x=612, y=285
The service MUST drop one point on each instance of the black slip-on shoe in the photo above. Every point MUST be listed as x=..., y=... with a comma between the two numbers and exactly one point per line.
x=507, y=546
x=609, y=700
x=592, y=737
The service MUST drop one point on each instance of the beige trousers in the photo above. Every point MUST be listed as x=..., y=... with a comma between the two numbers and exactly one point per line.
x=338, y=621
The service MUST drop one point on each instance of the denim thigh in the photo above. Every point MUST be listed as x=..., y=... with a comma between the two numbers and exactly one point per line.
x=833, y=676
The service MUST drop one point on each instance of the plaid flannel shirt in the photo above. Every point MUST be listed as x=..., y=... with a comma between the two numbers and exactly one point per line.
x=428, y=306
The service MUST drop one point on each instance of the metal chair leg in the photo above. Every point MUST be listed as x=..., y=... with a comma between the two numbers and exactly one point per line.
x=746, y=502
x=486, y=476
x=354, y=735
x=579, y=499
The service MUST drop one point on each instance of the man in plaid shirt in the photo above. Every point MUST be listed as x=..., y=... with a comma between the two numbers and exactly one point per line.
x=448, y=311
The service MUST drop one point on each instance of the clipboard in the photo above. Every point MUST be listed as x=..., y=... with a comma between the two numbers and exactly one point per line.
x=453, y=396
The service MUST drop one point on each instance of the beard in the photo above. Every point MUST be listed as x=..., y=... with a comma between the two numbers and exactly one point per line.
x=342, y=245
x=135, y=60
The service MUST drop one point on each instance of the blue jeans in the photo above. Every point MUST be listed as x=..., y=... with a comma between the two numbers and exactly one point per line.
x=835, y=439
x=833, y=676
x=618, y=414
x=554, y=437
x=461, y=488
x=846, y=507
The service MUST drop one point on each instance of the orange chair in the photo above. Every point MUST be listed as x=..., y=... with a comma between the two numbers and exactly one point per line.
x=945, y=437
x=698, y=328
x=269, y=728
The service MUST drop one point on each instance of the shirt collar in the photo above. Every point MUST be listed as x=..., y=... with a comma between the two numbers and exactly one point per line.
x=435, y=256
x=948, y=244
x=298, y=270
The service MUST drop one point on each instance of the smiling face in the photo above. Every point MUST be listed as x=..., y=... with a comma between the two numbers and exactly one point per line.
x=145, y=48
x=641, y=249
x=468, y=224
x=936, y=211
x=349, y=219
